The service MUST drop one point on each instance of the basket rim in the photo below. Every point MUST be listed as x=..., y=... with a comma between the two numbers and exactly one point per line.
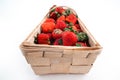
x=32, y=45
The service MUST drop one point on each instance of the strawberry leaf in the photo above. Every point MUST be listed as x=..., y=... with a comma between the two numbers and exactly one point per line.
x=82, y=36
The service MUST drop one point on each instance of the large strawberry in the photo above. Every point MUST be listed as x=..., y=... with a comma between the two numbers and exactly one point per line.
x=71, y=18
x=57, y=33
x=43, y=38
x=48, y=27
x=60, y=25
x=69, y=38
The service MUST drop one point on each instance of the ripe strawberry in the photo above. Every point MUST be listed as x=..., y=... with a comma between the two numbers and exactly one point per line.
x=49, y=20
x=60, y=25
x=57, y=33
x=58, y=42
x=69, y=38
x=43, y=38
x=53, y=15
x=60, y=10
x=48, y=27
x=78, y=27
x=82, y=44
x=50, y=35
x=74, y=28
x=71, y=18
x=61, y=18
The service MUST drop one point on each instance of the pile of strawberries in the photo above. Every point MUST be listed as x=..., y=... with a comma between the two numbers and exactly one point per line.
x=61, y=27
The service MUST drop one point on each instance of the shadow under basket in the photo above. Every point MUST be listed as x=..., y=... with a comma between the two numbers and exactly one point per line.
x=47, y=59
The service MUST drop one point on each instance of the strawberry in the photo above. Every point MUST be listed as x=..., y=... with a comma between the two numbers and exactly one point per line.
x=60, y=10
x=74, y=28
x=58, y=42
x=81, y=44
x=69, y=38
x=77, y=26
x=60, y=25
x=71, y=18
x=57, y=33
x=49, y=20
x=48, y=27
x=61, y=18
x=43, y=38
x=53, y=15
x=50, y=35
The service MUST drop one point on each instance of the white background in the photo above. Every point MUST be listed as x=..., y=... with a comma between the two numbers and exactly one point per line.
x=19, y=17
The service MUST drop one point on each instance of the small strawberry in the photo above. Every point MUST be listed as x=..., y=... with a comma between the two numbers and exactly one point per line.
x=78, y=27
x=49, y=20
x=48, y=27
x=74, y=28
x=58, y=42
x=43, y=38
x=50, y=35
x=53, y=15
x=60, y=10
x=81, y=44
x=60, y=25
x=61, y=18
x=57, y=33
x=69, y=38
x=71, y=18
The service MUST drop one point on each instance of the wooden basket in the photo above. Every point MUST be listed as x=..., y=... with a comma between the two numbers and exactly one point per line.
x=46, y=59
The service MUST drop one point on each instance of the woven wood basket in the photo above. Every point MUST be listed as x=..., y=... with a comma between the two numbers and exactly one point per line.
x=46, y=59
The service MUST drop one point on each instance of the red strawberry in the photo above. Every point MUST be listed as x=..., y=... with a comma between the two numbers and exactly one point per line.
x=61, y=18
x=48, y=27
x=57, y=33
x=60, y=25
x=69, y=38
x=58, y=42
x=74, y=28
x=71, y=18
x=82, y=44
x=43, y=38
x=53, y=15
x=60, y=10
x=49, y=20
x=78, y=27
x=50, y=35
